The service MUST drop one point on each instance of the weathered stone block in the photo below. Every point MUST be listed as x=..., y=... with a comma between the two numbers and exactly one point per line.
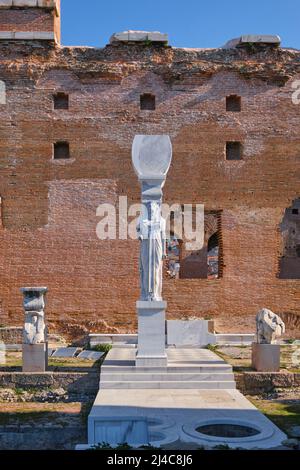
x=35, y=357
x=266, y=357
x=6, y=35
x=283, y=379
x=187, y=332
x=25, y=3
x=47, y=3
x=139, y=36
x=263, y=382
x=34, y=35
x=155, y=36
x=260, y=38
x=44, y=36
x=257, y=382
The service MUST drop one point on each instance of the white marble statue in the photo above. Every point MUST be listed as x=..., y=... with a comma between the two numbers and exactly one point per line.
x=269, y=326
x=35, y=331
x=34, y=328
x=151, y=231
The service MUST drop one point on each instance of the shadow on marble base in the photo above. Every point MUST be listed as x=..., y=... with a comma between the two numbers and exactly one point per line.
x=151, y=361
x=35, y=357
x=151, y=334
x=266, y=357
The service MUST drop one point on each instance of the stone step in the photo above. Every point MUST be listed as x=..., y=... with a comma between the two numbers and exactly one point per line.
x=167, y=377
x=213, y=369
x=196, y=385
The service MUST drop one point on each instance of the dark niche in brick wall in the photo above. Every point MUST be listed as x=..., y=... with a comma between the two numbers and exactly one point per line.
x=289, y=262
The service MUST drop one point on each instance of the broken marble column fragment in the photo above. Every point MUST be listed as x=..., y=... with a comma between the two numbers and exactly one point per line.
x=35, y=346
x=265, y=352
x=139, y=36
x=269, y=326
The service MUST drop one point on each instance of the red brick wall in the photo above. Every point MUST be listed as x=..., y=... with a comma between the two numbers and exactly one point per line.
x=49, y=208
x=29, y=19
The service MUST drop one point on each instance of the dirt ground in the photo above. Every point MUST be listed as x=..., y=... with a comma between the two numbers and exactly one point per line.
x=41, y=413
x=283, y=408
x=12, y=362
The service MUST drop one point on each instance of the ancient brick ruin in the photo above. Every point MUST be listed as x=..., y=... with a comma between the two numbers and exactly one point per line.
x=66, y=129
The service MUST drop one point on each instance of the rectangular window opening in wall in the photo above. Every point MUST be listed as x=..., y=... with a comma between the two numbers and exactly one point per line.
x=61, y=101
x=203, y=263
x=233, y=103
x=147, y=102
x=234, y=151
x=61, y=150
x=289, y=260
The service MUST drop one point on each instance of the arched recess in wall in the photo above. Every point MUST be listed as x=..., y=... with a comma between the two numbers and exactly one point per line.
x=206, y=263
x=289, y=260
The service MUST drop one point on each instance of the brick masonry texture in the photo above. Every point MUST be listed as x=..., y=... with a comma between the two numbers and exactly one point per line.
x=26, y=20
x=48, y=234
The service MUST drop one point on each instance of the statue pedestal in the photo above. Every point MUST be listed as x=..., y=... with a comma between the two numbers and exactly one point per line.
x=266, y=357
x=35, y=357
x=151, y=334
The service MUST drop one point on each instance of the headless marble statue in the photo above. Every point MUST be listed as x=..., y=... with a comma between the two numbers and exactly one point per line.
x=151, y=232
x=34, y=328
x=269, y=326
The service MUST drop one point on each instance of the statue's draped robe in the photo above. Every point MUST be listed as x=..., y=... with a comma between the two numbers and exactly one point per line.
x=152, y=236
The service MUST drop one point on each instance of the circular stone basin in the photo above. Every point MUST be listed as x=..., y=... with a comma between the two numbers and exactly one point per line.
x=227, y=430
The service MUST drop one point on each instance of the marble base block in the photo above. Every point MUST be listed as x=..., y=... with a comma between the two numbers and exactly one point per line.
x=182, y=333
x=35, y=357
x=151, y=350
x=266, y=357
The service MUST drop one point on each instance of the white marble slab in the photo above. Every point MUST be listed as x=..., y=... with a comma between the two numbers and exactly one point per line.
x=91, y=355
x=187, y=333
x=65, y=352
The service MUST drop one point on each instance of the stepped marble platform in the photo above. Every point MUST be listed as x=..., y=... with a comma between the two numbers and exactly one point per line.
x=187, y=368
x=161, y=406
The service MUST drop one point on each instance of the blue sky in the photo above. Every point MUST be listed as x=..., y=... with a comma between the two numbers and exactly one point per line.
x=189, y=23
